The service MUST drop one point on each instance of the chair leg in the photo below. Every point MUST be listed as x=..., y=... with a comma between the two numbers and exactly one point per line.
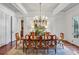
x=47, y=51
x=26, y=50
x=44, y=51
x=23, y=46
x=55, y=50
x=16, y=44
x=63, y=46
x=36, y=51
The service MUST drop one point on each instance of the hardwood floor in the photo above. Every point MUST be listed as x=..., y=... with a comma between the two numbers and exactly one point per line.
x=8, y=47
x=72, y=47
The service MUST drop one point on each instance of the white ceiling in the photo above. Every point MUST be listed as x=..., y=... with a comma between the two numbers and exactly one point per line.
x=34, y=8
x=10, y=6
x=69, y=7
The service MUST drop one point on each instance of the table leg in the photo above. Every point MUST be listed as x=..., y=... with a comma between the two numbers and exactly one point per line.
x=55, y=46
x=23, y=45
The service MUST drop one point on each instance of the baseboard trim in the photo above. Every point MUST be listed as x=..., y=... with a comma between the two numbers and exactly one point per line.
x=71, y=43
x=3, y=45
x=6, y=44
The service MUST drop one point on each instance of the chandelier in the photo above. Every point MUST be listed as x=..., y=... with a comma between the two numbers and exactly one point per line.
x=40, y=21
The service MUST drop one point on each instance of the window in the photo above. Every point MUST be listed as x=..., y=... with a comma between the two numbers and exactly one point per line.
x=76, y=26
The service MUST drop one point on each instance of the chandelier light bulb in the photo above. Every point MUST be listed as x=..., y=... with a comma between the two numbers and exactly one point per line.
x=43, y=17
x=46, y=18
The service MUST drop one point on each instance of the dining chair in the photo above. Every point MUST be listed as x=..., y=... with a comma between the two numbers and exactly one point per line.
x=17, y=38
x=54, y=42
x=46, y=33
x=39, y=42
x=61, y=40
x=33, y=40
x=33, y=33
x=50, y=41
x=43, y=41
x=28, y=41
x=62, y=36
x=46, y=40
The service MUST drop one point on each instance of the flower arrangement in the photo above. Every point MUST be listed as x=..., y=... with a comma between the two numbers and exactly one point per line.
x=39, y=30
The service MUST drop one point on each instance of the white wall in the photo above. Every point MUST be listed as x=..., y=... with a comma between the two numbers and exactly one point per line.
x=69, y=14
x=2, y=28
x=15, y=26
x=5, y=25
x=60, y=24
x=28, y=24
